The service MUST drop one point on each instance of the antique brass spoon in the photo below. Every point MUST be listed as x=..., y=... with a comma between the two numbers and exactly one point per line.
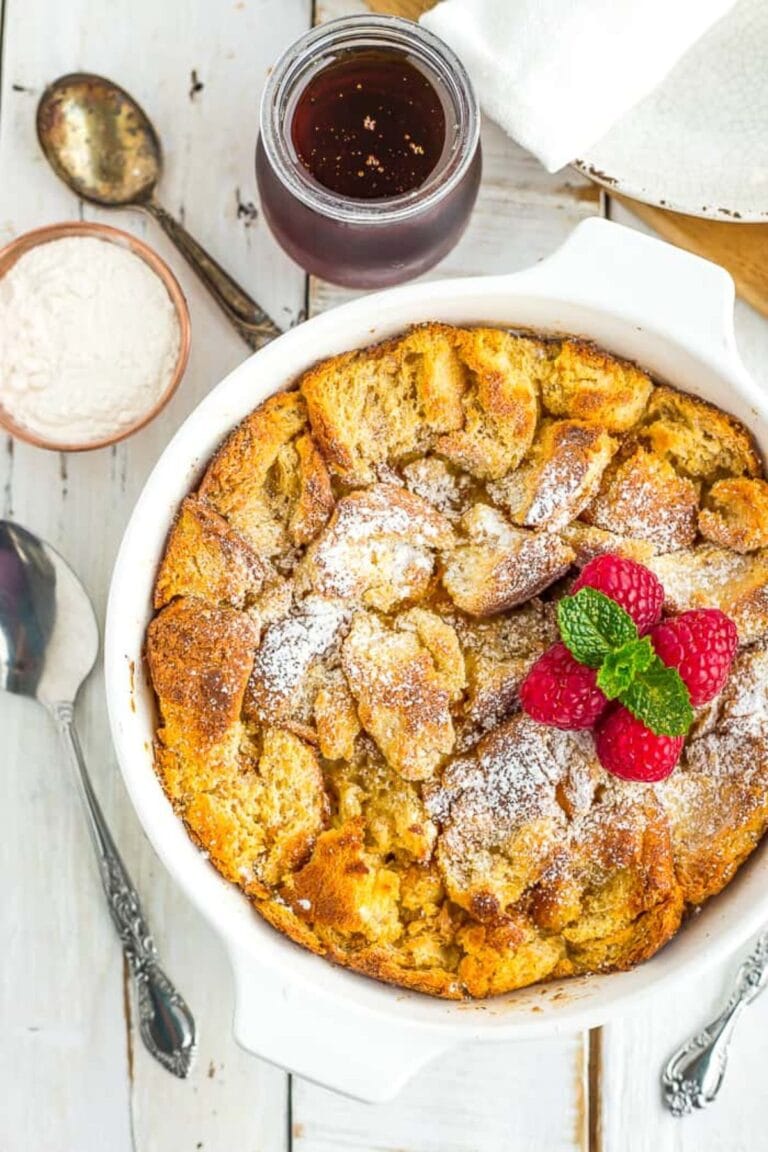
x=49, y=641
x=104, y=147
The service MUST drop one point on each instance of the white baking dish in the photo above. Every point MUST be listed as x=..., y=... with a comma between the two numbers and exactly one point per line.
x=640, y=298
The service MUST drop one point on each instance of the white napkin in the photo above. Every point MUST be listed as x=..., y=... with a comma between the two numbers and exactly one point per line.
x=557, y=74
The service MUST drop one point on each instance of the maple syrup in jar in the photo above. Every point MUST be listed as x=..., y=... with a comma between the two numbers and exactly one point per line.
x=368, y=160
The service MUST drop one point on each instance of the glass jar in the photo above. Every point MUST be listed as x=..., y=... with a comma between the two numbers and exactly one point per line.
x=368, y=243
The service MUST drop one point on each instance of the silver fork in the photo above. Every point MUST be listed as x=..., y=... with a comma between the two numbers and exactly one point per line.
x=694, y=1074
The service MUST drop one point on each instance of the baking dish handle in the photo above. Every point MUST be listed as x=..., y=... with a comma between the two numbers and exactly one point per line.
x=644, y=280
x=341, y=1046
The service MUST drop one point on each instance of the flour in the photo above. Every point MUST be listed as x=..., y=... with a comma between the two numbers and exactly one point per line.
x=89, y=340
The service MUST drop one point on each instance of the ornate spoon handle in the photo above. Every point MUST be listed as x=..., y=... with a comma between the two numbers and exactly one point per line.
x=165, y=1022
x=694, y=1074
x=248, y=317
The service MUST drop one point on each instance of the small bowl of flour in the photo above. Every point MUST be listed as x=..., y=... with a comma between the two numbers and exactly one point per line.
x=94, y=336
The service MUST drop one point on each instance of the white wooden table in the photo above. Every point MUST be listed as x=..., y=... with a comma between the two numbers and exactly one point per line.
x=74, y=1076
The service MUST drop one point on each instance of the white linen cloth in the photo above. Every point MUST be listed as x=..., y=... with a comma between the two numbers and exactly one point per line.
x=557, y=74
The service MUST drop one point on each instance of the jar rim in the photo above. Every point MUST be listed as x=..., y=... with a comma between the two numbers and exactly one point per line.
x=367, y=31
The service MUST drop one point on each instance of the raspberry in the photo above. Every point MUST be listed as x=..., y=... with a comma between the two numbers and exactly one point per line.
x=626, y=748
x=561, y=692
x=701, y=645
x=631, y=585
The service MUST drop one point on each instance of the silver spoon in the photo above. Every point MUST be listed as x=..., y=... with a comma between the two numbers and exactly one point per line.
x=694, y=1074
x=104, y=147
x=49, y=641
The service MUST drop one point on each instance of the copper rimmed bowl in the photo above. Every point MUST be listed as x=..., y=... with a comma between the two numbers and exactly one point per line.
x=17, y=248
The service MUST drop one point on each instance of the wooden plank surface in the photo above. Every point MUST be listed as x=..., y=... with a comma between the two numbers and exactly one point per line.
x=481, y=1098
x=107, y=1082
x=75, y=1076
x=632, y=1052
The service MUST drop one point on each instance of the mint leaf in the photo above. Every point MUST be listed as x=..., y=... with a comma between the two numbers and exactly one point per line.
x=659, y=699
x=592, y=625
x=621, y=666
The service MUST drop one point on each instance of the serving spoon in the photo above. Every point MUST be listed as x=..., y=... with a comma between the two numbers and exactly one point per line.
x=105, y=148
x=49, y=641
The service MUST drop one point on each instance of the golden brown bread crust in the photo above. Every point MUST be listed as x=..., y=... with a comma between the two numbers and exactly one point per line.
x=205, y=557
x=378, y=548
x=494, y=566
x=367, y=408
x=268, y=480
x=642, y=496
x=470, y=394
x=263, y=825
x=559, y=477
x=402, y=697
x=200, y=660
x=499, y=816
x=287, y=666
x=589, y=542
x=499, y=402
x=346, y=609
x=735, y=514
x=335, y=718
x=717, y=804
x=701, y=441
x=586, y=383
x=309, y=486
x=706, y=576
x=498, y=652
x=611, y=889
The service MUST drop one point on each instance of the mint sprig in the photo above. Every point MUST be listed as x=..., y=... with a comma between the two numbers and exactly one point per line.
x=598, y=632
x=621, y=666
x=592, y=626
x=660, y=700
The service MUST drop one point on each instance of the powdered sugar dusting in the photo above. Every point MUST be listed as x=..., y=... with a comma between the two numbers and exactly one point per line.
x=402, y=700
x=396, y=628
x=510, y=780
x=381, y=541
x=432, y=480
x=735, y=738
x=486, y=525
x=290, y=645
x=551, y=491
x=706, y=576
x=562, y=491
x=647, y=499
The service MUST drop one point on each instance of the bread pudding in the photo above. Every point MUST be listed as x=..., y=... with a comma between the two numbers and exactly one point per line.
x=348, y=604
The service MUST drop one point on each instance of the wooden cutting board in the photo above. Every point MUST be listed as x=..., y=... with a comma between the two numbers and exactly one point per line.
x=741, y=248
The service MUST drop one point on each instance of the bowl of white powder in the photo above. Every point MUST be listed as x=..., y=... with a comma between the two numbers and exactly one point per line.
x=94, y=336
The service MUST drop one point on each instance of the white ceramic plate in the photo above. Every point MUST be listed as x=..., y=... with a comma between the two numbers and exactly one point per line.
x=699, y=143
